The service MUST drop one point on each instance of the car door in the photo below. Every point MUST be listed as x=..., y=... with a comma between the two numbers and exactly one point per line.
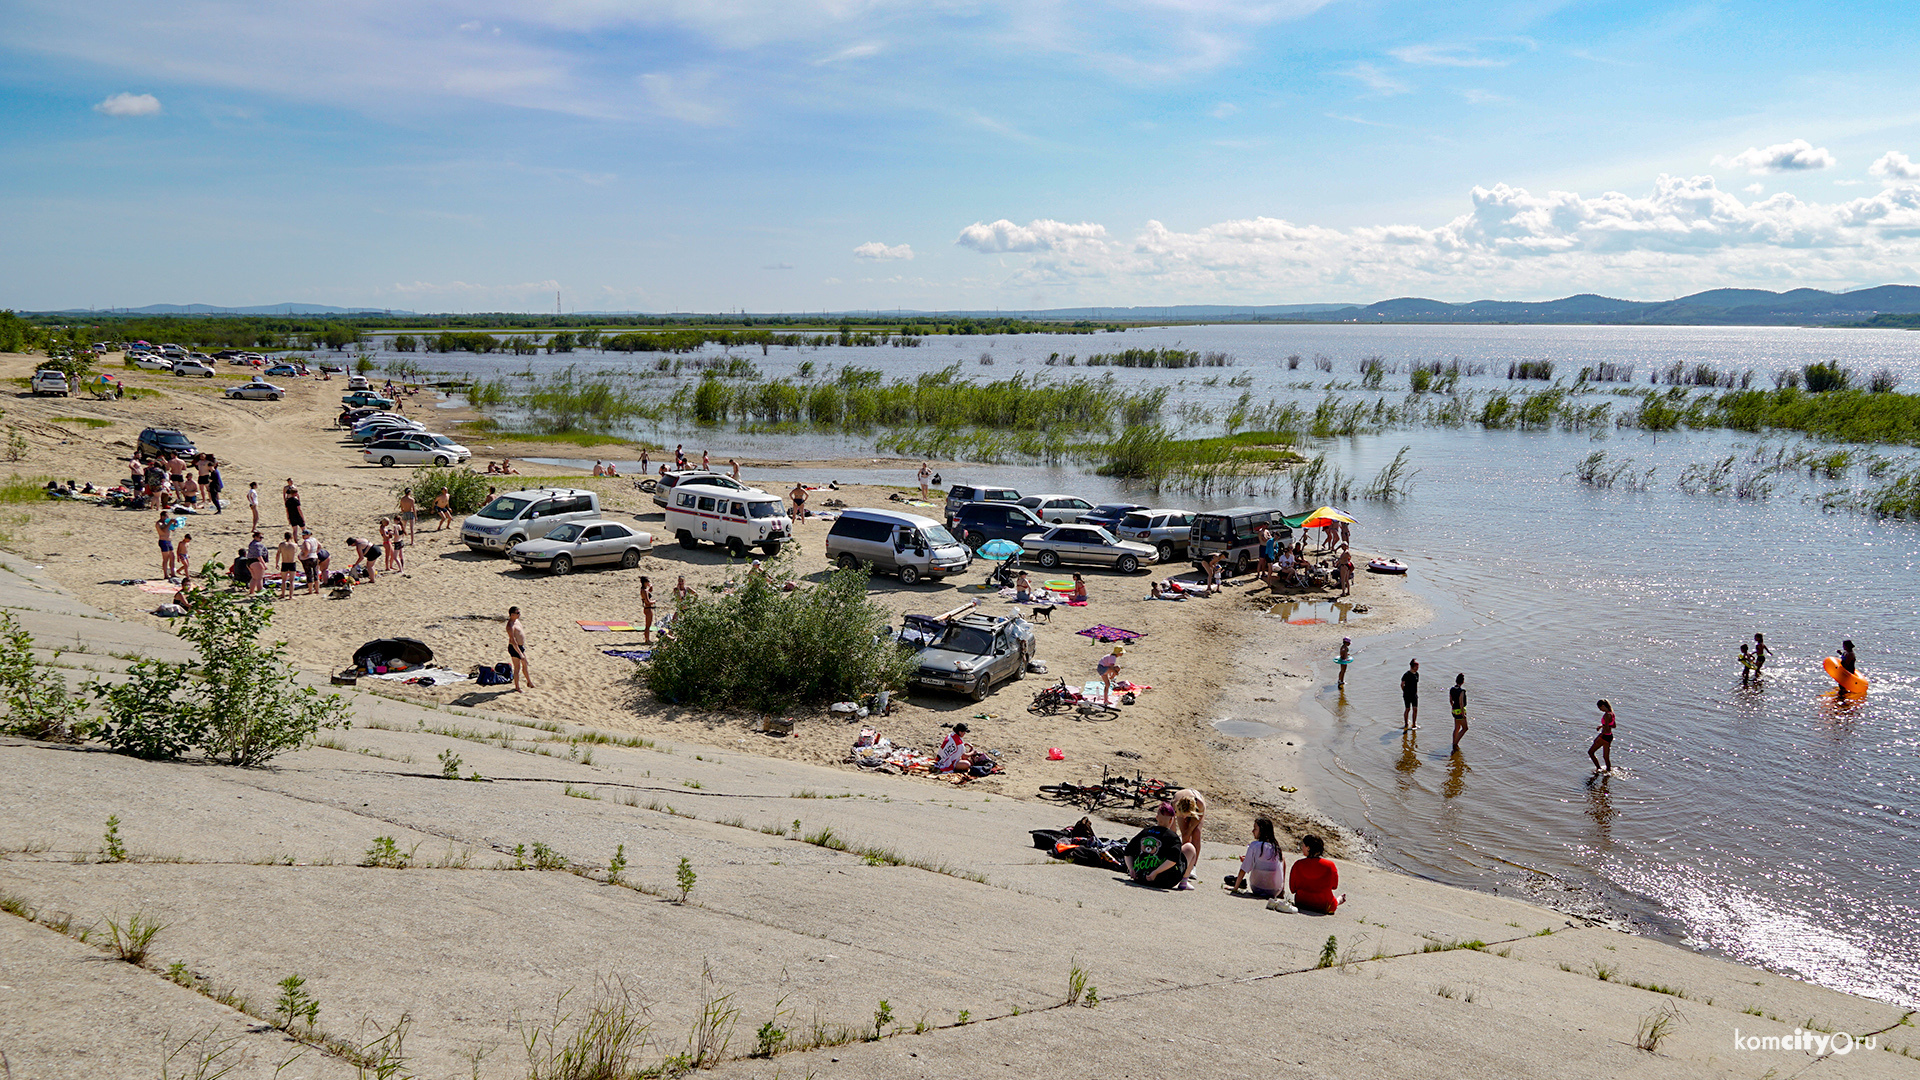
x=590, y=547
x=614, y=541
x=1082, y=544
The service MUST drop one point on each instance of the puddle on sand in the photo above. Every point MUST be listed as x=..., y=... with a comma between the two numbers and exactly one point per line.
x=1315, y=612
x=1245, y=729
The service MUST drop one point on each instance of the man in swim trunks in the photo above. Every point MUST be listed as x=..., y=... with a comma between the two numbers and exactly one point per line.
x=443, y=507
x=1410, y=695
x=287, y=554
x=517, y=649
x=1759, y=653
x=310, y=559
x=1457, y=699
x=409, y=512
x=164, y=530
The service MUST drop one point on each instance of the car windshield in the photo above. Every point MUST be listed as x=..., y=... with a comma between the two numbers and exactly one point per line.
x=768, y=509
x=566, y=534
x=938, y=536
x=967, y=639
x=504, y=508
x=442, y=440
x=1136, y=521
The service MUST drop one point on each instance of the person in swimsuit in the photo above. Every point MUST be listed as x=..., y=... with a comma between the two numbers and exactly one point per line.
x=443, y=508
x=310, y=560
x=163, y=529
x=1846, y=662
x=182, y=561
x=409, y=512
x=1457, y=700
x=1079, y=589
x=287, y=554
x=190, y=490
x=646, y=609
x=1603, y=742
x=1314, y=877
x=517, y=649
x=1759, y=654
x=253, y=501
x=798, y=496
x=1189, y=817
x=1410, y=695
x=1109, y=670
x=1344, y=660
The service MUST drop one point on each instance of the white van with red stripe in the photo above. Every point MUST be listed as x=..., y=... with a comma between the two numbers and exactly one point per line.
x=734, y=518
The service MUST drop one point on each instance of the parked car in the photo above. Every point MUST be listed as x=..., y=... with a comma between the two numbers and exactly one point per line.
x=692, y=476
x=891, y=542
x=1234, y=532
x=370, y=430
x=49, y=382
x=977, y=523
x=153, y=362
x=1057, y=508
x=367, y=397
x=517, y=515
x=583, y=543
x=173, y=352
x=414, y=450
x=193, y=367
x=959, y=495
x=154, y=442
x=736, y=518
x=1107, y=515
x=257, y=390
x=358, y=382
x=287, y=369
x=1167, y=531
x=975, y=653
x=1089, y=544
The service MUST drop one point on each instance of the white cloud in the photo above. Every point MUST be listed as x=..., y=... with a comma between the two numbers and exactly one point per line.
x=879, y=252
x=129, y=105
x=851, y=52
x=1443, y=56
x=1893, y=165
x=1374, y=79
x=1040, y=235
x=1796, y=156
x=1755, y=189
x=1223, y=110
x=1511, y=241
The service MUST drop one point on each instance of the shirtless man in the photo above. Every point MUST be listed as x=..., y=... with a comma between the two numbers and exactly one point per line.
x=517, y=649
x=1410, y=695
x=164, y=530
x=443, y=506
x=798, y=496
x=287, y=554
x=409, y=512
x=310, y=560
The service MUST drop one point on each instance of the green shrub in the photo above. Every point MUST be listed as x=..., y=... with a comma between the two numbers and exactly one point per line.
x=762, y=648
x=38, y=703
x=238, y=703
x=467, y=489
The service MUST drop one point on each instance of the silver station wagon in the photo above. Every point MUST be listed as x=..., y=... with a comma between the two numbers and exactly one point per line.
x=583, y=543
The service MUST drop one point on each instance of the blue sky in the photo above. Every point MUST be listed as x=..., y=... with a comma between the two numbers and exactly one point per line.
x=783, y=155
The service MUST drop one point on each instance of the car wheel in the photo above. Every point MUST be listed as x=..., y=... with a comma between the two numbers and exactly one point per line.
x=1126, y=564
x=909, y=575
x=1245, y=565
x=441, y=460
x=846, y=561
x=387, y=461
x=770, y=548
x=736, y=548
x=973, y=542
x=562, y=566
x=687, y=541
x=1049, y=559
x=982, y=688
x=1166, y=551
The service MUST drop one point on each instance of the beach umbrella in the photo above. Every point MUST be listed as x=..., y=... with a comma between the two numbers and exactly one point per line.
x=1000, y=549
x=1318, y=519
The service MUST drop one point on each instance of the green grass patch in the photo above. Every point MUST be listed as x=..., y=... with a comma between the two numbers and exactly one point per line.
x=23, y=489
x=89, y=421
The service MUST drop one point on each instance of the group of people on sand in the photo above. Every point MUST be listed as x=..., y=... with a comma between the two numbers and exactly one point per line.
x=169, y=480
x=1166, y=855
x=503, y=467
x=1291, y=566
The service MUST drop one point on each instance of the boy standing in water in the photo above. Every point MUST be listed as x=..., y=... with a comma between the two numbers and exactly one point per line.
x=1345, y=658
x=1746, y=665
x=1457, y=699
x=1603, y=742
x=1759, y=654
x=1846, y=662
x=1410, y=695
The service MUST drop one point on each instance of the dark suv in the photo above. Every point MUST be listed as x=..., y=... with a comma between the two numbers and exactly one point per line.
x=155, y=442
x=977, y=523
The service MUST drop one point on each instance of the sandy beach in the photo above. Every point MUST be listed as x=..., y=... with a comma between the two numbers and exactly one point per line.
x=1222, y=658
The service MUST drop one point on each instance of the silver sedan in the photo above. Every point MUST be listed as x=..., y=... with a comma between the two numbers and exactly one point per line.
x=583, y=543
x=1085, y=544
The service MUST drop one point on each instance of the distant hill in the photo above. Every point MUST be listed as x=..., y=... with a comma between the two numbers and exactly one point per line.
x=1725, y=307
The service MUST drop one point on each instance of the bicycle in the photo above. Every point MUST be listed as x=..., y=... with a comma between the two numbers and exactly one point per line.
x=1091, y=796
x=1054, y=699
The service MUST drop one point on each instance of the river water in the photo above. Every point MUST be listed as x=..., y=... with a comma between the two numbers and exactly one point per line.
x=1773, y=824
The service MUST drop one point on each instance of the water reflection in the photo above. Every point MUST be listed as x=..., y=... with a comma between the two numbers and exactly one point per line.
x=1457, y=770
x=1315, y=612
x=1409, y=762
x=1599, y=807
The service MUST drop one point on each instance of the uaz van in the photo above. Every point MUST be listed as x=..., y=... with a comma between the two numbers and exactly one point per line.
x=1234, y=533
x=517, y=516
x=735, y=518
x=895, y=543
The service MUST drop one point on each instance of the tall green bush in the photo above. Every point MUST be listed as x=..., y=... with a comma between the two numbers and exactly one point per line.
x=239, y=703
x=761, y=648
x=466, y=489
x=38, y=703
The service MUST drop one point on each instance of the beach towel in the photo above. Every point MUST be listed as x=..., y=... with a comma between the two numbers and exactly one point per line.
x=1093, y=689
x=440, y=676
x=635, y=655
x=1109, y=634
x=158, y=588
x=622, y=627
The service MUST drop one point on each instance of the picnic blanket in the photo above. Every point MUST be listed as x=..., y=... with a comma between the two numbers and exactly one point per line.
x=622, y=627
x=636, y=655
x=1109, y=634
x=440, y=676
x=158, y=588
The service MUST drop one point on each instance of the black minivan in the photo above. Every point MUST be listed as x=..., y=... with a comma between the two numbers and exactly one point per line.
x=1234, y=531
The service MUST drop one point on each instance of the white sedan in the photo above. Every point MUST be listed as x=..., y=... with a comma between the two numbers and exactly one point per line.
x=583, y=543
x=414, y=448
x=153, y=362
x=193, y=367
x=257, y=390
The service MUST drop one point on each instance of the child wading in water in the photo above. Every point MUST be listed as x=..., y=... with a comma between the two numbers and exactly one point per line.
x=1345, y=658
x=1603, y=742
x=1747, y=667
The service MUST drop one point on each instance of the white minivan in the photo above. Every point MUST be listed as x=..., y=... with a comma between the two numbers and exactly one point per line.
x=517, y=516
x=735, y=518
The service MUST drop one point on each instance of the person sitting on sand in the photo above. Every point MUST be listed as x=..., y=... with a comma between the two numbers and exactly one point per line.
x=1022, y=588
x=758, y=572
x=599, y=469
x=612, y=470
x=493, y=467
x=1262, y=869
x=507, y=469
x=1155, y=857
x=957, y=756
x=1314, y=877
x=1079, y=589
x=1189, y=817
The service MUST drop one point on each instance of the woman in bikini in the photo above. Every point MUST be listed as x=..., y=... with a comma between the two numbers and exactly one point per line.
x=1603, y=742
